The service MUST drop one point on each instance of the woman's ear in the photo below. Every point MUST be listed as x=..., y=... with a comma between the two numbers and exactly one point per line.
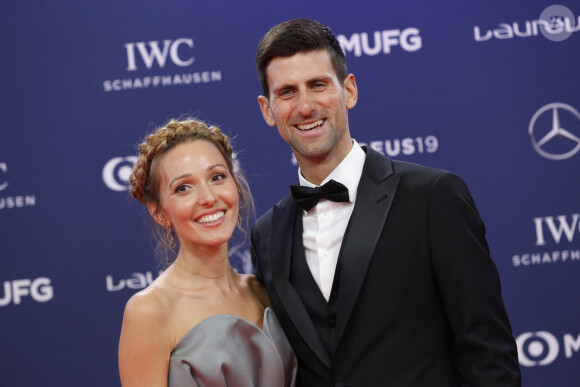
x=156, y=214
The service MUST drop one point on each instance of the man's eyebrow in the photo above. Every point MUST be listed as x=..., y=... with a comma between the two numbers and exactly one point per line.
x=284, y=87
x=318, y=79
x=309, y=82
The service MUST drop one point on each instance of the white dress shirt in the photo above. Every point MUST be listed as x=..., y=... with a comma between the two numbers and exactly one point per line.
x=325, y=224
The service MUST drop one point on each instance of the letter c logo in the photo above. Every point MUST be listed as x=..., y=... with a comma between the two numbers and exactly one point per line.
x=539, y=348
x=116, y=172
x=3, y=168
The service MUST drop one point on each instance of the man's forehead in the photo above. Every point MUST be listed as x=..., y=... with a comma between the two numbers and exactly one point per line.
x=318, y=53
x=300, y=67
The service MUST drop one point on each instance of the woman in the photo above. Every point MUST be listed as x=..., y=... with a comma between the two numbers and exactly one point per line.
x=199, y=323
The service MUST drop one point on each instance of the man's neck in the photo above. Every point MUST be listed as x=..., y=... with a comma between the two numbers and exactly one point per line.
x=316, y=170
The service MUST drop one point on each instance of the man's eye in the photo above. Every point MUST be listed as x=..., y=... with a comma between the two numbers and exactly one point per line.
x=285, y=93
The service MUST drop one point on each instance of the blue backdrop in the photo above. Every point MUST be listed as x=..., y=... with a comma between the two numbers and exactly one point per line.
x=485, y=89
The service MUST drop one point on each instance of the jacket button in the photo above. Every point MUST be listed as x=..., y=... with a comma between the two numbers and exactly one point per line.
x=332, y=324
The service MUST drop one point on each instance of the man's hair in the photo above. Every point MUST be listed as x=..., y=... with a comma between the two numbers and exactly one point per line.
x=298, y=35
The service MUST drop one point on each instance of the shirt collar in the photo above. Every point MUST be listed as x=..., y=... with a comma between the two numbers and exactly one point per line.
x=348, y=172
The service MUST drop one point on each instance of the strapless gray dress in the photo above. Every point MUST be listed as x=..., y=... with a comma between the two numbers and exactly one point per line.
x=226, y=350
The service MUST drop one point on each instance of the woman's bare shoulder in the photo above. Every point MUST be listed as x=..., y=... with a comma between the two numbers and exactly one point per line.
x=257, y=288
x=153, y=302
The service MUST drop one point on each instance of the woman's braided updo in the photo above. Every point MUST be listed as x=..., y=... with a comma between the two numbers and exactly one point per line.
x=145, y=178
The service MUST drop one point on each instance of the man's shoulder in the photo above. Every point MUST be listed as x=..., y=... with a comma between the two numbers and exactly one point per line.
x=421, y=178
x=378, y=160
x=402, y=168
x=266, y=217
x=405, y=167
x=412, y=175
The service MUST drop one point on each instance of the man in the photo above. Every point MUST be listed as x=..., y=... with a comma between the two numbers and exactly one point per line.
x=391, y=284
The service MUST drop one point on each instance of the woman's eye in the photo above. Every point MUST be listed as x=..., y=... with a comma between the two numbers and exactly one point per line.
x=182, y=188
x=218, y=177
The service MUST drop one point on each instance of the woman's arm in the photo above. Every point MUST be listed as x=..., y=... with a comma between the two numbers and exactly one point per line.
x=145, y=344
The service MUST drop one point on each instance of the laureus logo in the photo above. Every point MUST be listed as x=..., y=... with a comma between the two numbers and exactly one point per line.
x=556, y=23
x=555, y=131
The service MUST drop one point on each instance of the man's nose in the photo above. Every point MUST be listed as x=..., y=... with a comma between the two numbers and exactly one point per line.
x=306, y=104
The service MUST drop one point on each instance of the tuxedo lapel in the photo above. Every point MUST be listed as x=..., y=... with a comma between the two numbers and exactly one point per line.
x=284, y=217
x=376, y=191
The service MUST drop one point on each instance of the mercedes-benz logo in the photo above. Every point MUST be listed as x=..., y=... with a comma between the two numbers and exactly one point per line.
x=558, y=142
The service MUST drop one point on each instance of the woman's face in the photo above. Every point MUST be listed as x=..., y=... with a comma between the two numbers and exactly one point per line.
x=198, y=194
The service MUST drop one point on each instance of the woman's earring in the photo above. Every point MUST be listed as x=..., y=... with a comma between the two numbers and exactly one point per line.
x=169, y=236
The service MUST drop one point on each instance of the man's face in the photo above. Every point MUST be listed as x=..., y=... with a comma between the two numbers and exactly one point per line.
x=309, y=106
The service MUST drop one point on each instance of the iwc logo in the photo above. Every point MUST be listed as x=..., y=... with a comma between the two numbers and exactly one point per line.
x=157, y=55
x=555, y=131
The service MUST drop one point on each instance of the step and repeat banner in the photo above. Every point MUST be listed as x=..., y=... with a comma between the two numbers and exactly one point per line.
x=489, y=90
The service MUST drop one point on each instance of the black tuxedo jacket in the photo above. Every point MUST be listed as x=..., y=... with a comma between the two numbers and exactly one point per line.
x=419, y=300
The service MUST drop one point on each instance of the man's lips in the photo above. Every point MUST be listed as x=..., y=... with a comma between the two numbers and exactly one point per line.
x=306, y=127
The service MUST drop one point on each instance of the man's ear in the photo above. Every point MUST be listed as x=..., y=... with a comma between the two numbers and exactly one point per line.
x=156, y=214
x=266, y=113
x=351, y=91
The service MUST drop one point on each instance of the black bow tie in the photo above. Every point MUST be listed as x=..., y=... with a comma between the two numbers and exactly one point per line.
x=307, y=197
